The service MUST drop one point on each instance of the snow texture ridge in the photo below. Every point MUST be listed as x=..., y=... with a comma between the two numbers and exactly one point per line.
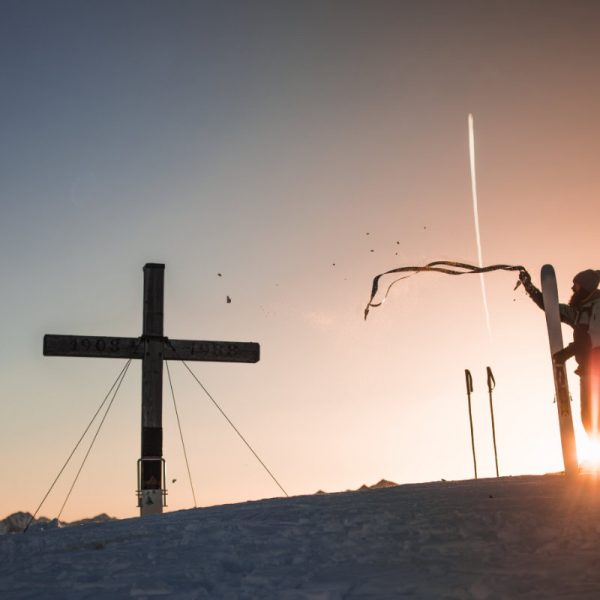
x=521, y=537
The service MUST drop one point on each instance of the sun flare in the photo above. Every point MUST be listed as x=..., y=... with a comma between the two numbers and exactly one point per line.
x=589, y=453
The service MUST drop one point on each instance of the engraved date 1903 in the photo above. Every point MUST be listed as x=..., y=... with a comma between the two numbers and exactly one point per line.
x=90, y=344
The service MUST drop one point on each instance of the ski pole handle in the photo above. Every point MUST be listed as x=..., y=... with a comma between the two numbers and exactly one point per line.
x=491, y=382
x=469, y=380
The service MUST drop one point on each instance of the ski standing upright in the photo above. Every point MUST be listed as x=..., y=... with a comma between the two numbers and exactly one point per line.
x=561, y=385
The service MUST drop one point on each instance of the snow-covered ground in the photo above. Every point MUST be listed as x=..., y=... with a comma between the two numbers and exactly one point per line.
x=521, y=537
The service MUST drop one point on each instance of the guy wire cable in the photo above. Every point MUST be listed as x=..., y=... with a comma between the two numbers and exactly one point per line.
x=229, y=421
x=187, y=464
x=75, y=448
x=94, y=439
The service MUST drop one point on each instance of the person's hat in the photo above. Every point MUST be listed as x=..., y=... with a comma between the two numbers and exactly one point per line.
x=588, y=279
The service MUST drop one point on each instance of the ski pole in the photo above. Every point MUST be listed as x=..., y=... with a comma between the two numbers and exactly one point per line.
x=491, y=383
x=469, y=391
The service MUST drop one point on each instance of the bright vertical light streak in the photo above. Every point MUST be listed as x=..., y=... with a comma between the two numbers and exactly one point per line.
x=476, y=218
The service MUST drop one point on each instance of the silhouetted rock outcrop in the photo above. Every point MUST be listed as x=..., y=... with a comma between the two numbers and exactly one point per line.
x=384, y=483
x=17, y=522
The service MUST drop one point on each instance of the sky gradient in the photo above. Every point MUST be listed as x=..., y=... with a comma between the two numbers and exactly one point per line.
x=266, y=142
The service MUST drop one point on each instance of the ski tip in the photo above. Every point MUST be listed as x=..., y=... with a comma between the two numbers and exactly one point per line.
x=547, y=269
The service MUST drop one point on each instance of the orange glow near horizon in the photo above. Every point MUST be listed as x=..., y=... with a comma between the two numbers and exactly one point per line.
x=595, y=400
x=589, y=453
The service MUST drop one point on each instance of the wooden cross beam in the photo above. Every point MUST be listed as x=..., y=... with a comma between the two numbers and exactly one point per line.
x=152, y=348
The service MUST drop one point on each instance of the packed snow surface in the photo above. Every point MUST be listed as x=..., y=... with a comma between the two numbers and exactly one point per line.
x=521, y=537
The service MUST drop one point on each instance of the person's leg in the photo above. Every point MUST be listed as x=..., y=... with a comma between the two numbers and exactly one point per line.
x=586, y=404
x=593, y=392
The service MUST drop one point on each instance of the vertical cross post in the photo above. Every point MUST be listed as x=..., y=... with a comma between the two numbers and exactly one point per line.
x=152, y=488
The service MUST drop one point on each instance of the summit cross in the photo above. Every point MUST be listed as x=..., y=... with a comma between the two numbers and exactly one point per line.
x=152, y=348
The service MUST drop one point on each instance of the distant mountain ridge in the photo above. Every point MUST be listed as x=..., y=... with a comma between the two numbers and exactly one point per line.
x=383, y=483
x=17, y=522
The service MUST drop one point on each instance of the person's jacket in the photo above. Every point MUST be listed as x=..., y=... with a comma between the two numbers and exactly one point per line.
x=585, y=321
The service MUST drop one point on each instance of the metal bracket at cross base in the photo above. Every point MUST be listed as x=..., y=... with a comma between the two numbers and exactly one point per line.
x=152, y=498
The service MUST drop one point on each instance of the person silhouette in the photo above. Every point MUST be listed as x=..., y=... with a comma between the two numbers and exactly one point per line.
x=582, y=313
